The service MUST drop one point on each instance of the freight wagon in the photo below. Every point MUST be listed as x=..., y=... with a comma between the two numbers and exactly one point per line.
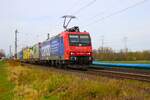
x=36, y=53
x=26, y=54
x=20, y=55
x=52, y=50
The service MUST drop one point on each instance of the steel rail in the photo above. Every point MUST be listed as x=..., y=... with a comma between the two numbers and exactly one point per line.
x=120, y=74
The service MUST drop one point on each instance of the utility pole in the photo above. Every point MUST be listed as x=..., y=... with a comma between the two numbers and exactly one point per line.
x=102, y=43
x=48, y=36
x=125, y=44
x=10, y=51
x=16, y=31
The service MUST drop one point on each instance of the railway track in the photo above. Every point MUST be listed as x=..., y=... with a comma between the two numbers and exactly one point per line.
x=111, y=73
x=120, y=74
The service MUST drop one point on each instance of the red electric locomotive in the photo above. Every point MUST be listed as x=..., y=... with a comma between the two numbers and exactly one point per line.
x=78, y=47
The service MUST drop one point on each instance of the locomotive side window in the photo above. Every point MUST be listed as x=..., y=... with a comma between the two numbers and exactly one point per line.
x=74, y=40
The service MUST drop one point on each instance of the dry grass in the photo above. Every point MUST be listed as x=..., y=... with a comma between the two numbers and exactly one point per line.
x=6, y=86
x=37, y=84
x=12, y=63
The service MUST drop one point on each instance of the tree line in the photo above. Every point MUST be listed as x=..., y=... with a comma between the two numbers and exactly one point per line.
x=107, y=54
x=2, y=53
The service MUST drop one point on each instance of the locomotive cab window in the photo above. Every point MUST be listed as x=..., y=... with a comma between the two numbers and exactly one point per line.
x=85, y=40
x=74, y=40
x=79, y=40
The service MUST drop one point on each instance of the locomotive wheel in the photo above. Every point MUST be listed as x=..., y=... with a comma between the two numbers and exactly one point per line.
x=59, y=64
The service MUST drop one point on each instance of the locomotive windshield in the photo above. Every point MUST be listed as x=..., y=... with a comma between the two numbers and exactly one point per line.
x=79, y=40
x=74, y=40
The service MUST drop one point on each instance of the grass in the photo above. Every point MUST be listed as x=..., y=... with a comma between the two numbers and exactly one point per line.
x=24, y=83
x=130, y=62
x=5, y=86
x=38, y=84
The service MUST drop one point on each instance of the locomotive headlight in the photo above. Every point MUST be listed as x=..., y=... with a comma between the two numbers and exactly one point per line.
x=72, y=53
x=89, y=53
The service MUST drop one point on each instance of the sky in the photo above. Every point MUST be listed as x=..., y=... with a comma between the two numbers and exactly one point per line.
x=107, y=20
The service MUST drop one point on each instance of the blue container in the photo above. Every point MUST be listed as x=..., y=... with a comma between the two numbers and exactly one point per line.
x=21, y=55
x=52, y=49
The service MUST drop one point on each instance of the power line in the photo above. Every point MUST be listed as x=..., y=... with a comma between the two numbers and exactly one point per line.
x=117, y=12
x=75, y=3
x=82, y=8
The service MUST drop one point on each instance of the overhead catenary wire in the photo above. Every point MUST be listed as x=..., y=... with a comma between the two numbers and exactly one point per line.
x=117, y=12
x=84, y=7
x=27, y=39
x=74, y=4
